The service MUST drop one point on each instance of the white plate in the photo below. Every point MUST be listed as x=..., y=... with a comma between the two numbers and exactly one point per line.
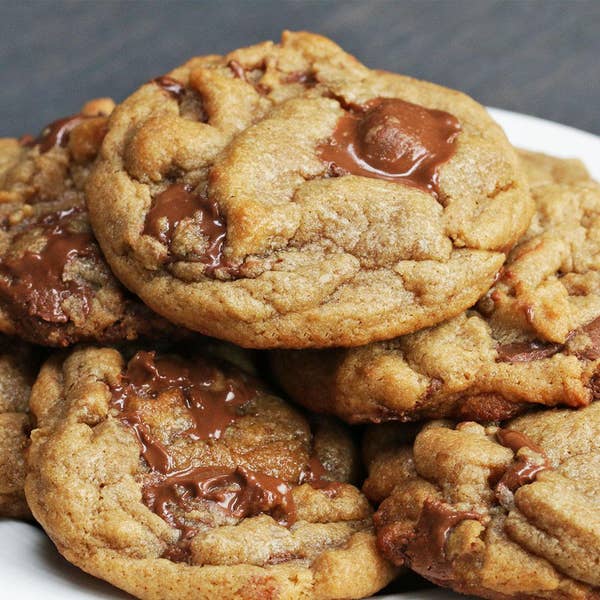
x=30, y=568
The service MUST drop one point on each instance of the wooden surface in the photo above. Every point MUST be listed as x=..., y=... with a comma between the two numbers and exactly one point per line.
x=540, y=57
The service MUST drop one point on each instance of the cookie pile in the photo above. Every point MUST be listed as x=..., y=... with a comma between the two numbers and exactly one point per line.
x=200, y=285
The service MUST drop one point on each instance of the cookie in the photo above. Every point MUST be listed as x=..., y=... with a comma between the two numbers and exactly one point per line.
x=18, y=369
x=534, y=338
x=186, y=478
x=55, y=286
x=542, y=168
x=285, y=195
x=510, y=512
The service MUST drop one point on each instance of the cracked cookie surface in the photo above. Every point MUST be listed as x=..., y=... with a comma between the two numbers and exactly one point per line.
x=55, y=286
x=510, y=512
x=288, y=196
x=186, y=478
x=533, y=339
x=18, y=369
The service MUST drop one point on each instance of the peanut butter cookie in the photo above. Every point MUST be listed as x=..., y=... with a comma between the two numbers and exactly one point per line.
x=185, y=478
x=534, y=338
x=55, y=286
x=285, y=195
x=510, y=512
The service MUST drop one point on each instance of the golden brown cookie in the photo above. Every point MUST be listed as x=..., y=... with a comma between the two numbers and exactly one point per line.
x=510, y=512
x=18, y=369
x=55, y=286
x=285, y=195
x=534, y=338
x=185, y=478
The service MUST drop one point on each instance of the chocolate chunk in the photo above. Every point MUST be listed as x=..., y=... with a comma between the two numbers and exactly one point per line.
x=211, y=406
x=168, y=209
x=315, y=475
x=523, y=470
x=239, y=492
x=36, y=281
x=238, y=71
x=177, y=203
x=425, y=550
x=171, y=86
x=592, y=330
x=515, y=440
x=57, y=133
x=307, y=79
x=526, y=351
x=394, y=140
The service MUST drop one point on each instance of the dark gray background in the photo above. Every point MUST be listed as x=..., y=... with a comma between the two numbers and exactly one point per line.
x=540, y=57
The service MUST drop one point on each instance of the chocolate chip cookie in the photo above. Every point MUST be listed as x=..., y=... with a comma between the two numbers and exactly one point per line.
x=509, y=512
x=285, y=195
x=186, y=478
x=18, y=369
x=534, y=338
x=55, y=286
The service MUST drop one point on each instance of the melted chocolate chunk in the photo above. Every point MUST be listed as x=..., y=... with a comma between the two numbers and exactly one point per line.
x=592, y=330
x=314, y=473
x=307, y=79
x=239, y=492
x=394, y=140
x=523, y=470
x=238, y=71
x=177, y=203
x=526, y=351
x=515, y=440
x=168, y=209
x=35, y=281
x=173, y=87
x=210, y=410
x=57, y=133
x=425, y=550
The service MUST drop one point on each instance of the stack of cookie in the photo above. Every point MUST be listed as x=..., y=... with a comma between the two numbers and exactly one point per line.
x=208, y=279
